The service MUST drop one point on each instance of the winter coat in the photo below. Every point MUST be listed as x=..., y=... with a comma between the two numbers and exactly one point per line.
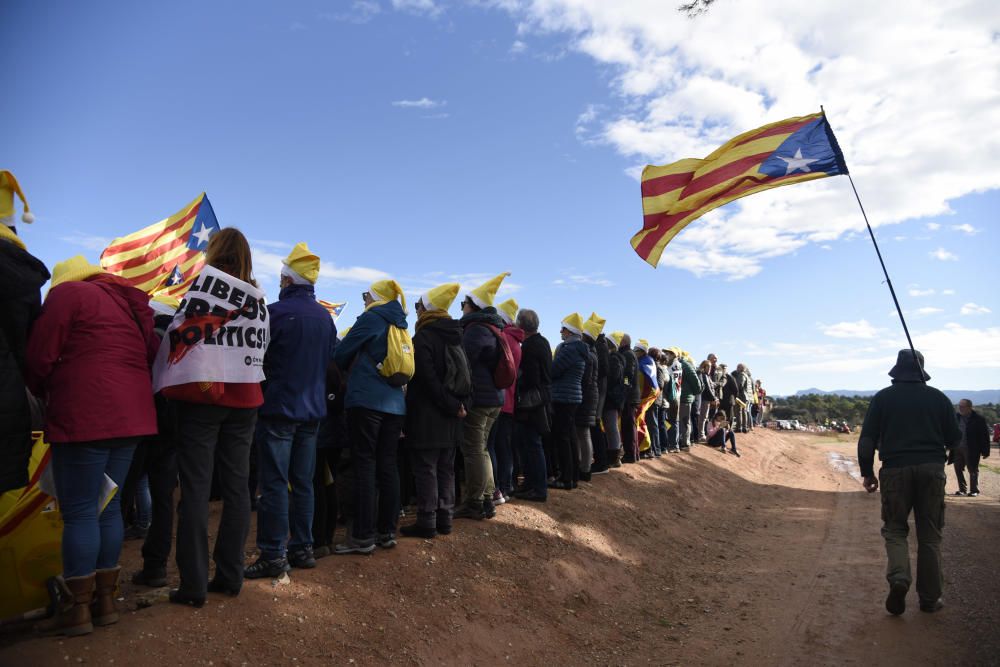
x=535, y=372
x=567, y=372
x=514, y=337
x=690, y=384
x=630, y=371
x=363, y=348
x=708, y=392
x=977, y=434
x=616, y=381
x=730, y=390
x=600, y=348
x=302, y=341
x=586, y=415
x=742, y=386
x=481, y=348
x=432, y=419
x=21, y=278
x=88, y=358
x=664, y=380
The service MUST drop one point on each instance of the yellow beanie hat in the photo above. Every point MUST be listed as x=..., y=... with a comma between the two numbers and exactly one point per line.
x=508, y=311
x=643, y=344
x=594, y=326
x=8, y=188
x=440, y=297
x=164, y=303
x=483, y=295
x=616, y=337
x=74, y=268
x=574, y=323
x=387, y=290
x=302, y=261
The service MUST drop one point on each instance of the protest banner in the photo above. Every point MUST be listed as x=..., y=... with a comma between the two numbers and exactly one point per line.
x=219, y=334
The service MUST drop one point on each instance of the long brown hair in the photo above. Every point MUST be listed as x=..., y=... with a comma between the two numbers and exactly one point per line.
x=229, y=251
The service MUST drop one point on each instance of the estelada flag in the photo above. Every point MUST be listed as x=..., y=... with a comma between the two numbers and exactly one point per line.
x=335, y=309
x=789, y=151
x=167, y=255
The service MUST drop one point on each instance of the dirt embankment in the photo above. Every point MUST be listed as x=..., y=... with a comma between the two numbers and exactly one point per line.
x=701, y=558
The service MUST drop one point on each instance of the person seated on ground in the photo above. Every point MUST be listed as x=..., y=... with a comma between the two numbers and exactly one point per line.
x=719, y=432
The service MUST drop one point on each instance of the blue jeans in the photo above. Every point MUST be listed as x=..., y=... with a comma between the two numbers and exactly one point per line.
x=532, y=454
x=652, y=419
x=92, y=539
x=499, y=446
x=286, y=456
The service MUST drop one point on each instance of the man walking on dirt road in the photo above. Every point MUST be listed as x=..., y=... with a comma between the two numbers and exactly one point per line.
x=975, y=444
x=912, y=425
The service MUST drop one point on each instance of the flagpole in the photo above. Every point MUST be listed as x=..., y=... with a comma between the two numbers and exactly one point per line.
x=888, y=280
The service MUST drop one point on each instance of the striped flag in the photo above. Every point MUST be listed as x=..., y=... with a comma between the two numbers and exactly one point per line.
x=166, y=256
x=789, y=151
x=335, y=309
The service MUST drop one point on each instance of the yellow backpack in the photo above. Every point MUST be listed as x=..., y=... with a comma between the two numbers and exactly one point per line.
x=398, y=366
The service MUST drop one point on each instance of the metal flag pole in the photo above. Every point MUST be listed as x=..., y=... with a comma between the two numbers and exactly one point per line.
x=888, y=280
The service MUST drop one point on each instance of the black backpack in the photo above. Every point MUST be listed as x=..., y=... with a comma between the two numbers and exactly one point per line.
x=457, y=372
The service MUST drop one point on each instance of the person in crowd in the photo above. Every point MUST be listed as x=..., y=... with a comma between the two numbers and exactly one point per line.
x=672, y=399
x=302, y=343
x=331, y=443
x=159, y=465
x=741, y=398
x=974, y=443
x=586, y=415
x=751, y=399
x=696, y=409
x=594, y=338
x=761, y=402
x=375, y=413
x=663, y=379
x=630, y=372
x=613, y=404
x=501, y=449
x=568, y=370
x=532, y=404
x=481, y=331
x=718, y=433
x=88, y=359
x=648, y=392
x=730, y=389
x=655, y=410
x=912, y=425
x=436, y=400
x=690, y=388
x=215, y=425
x=709, y=400
x=21, y=278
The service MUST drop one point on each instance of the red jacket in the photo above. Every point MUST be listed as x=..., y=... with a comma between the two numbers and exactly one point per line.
x=88, y=358
x=514, y=336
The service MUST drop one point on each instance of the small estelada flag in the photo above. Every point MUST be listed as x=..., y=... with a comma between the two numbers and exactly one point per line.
x=335, y=309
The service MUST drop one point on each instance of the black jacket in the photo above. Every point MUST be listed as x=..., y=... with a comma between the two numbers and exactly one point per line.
x=586, y=414
x=481, y=349
x=708, y=392
x=616, y=381
x=535, y=372
x=977, y=434
x=729, y=390
x=633, y=395
x=21, y=277
x=432, y=410
x=600, y=348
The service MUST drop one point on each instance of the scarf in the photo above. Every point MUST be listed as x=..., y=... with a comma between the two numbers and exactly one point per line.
x=429, y=316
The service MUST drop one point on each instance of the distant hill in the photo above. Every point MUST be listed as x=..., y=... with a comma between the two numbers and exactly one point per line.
x=977, y=397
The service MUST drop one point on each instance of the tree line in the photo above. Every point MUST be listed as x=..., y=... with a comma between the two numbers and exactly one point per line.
x=824, y=408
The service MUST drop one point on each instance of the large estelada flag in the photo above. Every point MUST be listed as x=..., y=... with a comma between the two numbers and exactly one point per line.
x=166, y=256
x=789, y=151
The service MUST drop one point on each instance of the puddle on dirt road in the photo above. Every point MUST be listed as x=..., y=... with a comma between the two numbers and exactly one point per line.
x=845, y=464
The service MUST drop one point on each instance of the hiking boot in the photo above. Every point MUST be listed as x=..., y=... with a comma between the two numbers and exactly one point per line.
x=102, y=609
x=931, y=607
x=895, y=603
x=267, y=568
x=386, y=540
x=416, y=530
x=352, y=546
x=470, y=511
x=72, y=615
x=489, y=511
x=217, y=586
x=154, y=578
x=303, y=558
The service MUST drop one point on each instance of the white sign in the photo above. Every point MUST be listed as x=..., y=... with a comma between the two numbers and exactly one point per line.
x=219, y=334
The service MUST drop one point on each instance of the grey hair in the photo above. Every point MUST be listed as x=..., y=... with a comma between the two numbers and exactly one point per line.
x=528, y=320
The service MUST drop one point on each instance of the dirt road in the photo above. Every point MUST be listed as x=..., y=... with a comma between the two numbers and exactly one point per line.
x=701, y=558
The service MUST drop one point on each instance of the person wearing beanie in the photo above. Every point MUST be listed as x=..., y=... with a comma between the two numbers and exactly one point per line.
x=654, y=413
x=648, y=391
x=97, y=387
x=630, y=372
x=501, y=437
x=8, y=188
x=587, y=413
x=531, y=412
x=611, y=416
x=481, y=328
x=303, y=341
x=593, y=336
x=568, y=368
x=375, y=415
x=690, y=388
x=437, y=400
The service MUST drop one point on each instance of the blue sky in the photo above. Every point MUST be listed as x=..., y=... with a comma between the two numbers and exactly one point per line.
x=436, y=141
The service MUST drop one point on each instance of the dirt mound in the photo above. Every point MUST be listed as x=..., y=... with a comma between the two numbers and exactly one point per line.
x=700, y=558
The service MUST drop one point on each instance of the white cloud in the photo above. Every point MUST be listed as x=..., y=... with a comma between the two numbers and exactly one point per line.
x=947, y=292
x=926, y=310
x=422, y=103
x=88, y=241
x=933, y=226
x=681, y=99
x=360, y=11
x=267, y=266
x=274, y=245
x=967, y=228
x=975, y=309
x=428, y=7
x=848, y=363
x=859, y=329
x=943, y=255
x=574, y=281
x=518, y=46
x=956, y=346
x=921, y=292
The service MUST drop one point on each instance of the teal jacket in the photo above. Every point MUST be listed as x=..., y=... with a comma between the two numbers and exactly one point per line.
x=362, y=349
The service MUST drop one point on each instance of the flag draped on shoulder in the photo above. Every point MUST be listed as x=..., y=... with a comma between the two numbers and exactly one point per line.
x=165, y=256
x=789, y=151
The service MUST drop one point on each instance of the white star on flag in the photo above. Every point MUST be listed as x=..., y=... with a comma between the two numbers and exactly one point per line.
x=205, y=232
x=797, y=162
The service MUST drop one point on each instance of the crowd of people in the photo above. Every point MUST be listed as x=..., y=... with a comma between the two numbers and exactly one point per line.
x=340, y=429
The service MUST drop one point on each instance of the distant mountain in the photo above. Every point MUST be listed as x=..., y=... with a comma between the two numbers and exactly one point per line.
x=977, y=397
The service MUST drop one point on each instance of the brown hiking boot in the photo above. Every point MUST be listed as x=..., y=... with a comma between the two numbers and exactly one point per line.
x=102, y=609
x=72, y=617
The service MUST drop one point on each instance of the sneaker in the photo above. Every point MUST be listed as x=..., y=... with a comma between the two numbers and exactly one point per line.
x=474, y=511
x=350, y=546
x=599, y=471
x=489, y=510
x=498, y=498
x=973, y=494
x=895, y=604
x=302, y=558
x=156, y=578
x=960, y=493
x=734, y=453
x=267, y=568
x=416, y=530
x=386, y=540
x=931, y=607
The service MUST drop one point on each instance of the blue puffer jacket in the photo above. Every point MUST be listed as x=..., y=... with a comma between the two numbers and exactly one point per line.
x=481, y=348
x=567, y=372
x=365, y=346
x=303, y=339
